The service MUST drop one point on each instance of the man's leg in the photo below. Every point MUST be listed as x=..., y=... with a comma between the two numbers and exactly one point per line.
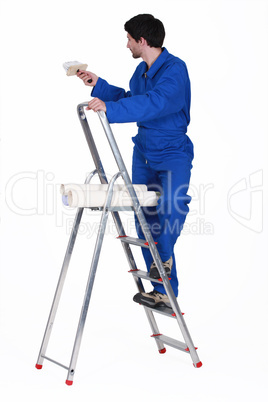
x=173, y=206
x=172, y=210
x=167, y=219
x=143, y=174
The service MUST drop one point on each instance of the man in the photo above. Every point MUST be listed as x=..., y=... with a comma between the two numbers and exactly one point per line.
x=159, y=101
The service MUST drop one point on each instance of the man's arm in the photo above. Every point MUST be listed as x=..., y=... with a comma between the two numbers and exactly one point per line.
x=101, y=88
x=108, y=92
x=102, y=91
x=167, y=97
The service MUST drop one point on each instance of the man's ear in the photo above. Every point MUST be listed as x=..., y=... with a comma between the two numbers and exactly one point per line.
x=143, y=42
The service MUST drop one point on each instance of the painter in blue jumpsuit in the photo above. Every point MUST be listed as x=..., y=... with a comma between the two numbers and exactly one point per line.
x=159, y=101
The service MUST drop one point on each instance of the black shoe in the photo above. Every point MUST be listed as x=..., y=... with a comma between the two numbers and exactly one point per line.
x=152, y=299
x=167, y=266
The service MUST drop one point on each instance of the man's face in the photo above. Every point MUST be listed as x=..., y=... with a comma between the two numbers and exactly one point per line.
x=133, y=46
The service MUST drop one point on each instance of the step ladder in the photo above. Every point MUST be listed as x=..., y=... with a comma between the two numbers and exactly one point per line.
x=174, y=312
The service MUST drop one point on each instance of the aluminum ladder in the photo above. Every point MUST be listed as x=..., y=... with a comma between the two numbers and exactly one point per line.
x=138, y=275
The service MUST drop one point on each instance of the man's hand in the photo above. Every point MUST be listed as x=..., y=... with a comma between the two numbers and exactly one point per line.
x=96, y=104
x=86, y=76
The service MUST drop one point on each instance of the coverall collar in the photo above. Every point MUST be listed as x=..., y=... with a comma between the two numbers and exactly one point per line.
x=157, y=64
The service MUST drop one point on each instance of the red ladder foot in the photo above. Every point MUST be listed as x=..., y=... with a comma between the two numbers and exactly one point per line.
x=38, y=366
x=161, y=351
x=69, y=382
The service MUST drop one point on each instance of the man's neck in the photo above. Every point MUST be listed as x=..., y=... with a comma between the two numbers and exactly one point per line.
x=150, y=55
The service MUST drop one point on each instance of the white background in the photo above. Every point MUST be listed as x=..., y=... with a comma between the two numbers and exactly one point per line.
x=222, y=256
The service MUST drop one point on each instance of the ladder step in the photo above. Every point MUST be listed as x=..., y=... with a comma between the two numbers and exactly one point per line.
x=135, y=241
x=172, y=342
x=162, y=310
x=145, y=275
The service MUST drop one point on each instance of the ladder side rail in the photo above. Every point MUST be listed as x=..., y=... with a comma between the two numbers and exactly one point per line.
x=91, y=278
x=91, y=143
x=117, y=220
x=103, y=179
x=148, y=236
x=62, y=277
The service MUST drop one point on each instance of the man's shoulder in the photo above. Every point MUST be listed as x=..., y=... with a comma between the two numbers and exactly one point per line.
x=171, y=60
x=176, y=65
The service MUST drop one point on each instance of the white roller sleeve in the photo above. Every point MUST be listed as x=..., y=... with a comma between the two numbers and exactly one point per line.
x=65, y=188
x=94, y=195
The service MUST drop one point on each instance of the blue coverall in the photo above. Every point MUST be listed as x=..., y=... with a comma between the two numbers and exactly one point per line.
x=159, y=101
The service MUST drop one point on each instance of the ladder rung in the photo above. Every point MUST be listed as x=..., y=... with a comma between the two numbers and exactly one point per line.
x=133, y=240
x=162, y=310
x=172, y=342
x=144, y=275
x=54, y=361
x=112, y=209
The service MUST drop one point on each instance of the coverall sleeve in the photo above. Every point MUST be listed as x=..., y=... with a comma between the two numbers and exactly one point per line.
x=107, y=92
x=167, y=97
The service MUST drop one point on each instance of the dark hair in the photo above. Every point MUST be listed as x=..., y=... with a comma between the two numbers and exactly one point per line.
x=147, y=27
